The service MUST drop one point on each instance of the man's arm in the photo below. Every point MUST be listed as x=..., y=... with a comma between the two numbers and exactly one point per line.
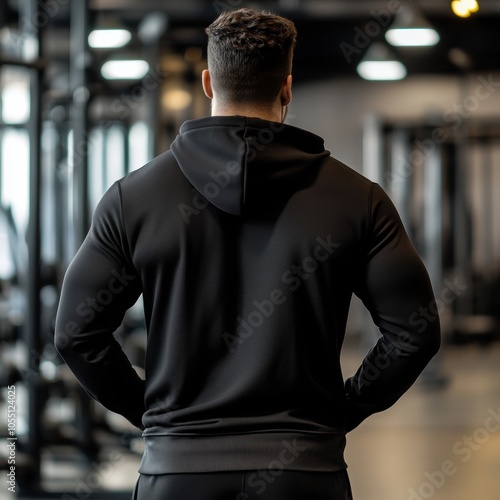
x=394, y=286
x=99, y=286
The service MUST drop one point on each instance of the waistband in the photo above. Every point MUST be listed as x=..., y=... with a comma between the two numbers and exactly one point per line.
x=174, y=454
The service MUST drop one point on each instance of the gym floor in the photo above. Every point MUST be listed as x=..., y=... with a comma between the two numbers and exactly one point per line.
x=440, y=443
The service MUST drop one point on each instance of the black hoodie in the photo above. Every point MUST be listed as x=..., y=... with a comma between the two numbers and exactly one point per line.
x=247, y=241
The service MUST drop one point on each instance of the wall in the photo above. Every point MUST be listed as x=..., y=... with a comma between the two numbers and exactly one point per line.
x=335, y=108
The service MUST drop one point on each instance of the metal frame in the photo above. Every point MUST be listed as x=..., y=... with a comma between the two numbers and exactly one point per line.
x=33, y=334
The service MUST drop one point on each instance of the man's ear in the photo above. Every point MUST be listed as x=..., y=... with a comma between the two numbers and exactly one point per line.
x=207, y=84
x=286, y=91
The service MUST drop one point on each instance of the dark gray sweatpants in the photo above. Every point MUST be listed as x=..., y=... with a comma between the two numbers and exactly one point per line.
x=245, y=485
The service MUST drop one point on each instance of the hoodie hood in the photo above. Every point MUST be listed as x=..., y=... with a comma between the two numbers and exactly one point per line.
x=247, y=165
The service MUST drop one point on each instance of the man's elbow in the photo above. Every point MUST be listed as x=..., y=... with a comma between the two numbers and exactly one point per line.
x=423, y=344
x=436, y=343
x=62, y=341
x=431, y=342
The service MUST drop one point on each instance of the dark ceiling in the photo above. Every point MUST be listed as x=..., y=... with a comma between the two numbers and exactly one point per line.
x=329, y=41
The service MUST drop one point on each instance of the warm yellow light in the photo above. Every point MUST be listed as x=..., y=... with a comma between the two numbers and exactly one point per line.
x=464, y=8
x=176, y=99
x=472, y=5
x=460, y=9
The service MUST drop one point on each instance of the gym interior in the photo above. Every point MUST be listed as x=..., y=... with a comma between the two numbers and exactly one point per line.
x=91, y=90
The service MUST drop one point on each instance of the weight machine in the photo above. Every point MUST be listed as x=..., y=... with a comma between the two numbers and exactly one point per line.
x=58, y=427
x=446, y=188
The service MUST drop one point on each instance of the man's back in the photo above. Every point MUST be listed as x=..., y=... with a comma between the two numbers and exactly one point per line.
x=248, y=241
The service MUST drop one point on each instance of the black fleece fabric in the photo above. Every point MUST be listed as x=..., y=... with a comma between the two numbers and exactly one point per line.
x=247, y=241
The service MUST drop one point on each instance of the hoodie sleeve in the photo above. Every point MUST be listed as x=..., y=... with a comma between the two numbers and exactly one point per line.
x=99, y=286
x=394, y=286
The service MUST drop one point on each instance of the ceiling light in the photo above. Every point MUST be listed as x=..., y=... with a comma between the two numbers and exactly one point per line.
x=15, y=102
x=411, y=29
x=109, y=39
x=472, y=5
x=381, y=70
x=380, y=64
x=464, y=8
x=460, y=9
x=125, y=69
x=412, y=37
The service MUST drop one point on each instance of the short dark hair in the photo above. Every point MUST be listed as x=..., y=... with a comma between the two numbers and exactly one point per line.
x=250, y=54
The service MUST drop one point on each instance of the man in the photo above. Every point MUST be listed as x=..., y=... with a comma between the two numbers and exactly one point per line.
x=247, y=241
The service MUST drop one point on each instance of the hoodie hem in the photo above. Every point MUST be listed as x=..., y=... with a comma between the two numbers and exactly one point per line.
x=168, y=454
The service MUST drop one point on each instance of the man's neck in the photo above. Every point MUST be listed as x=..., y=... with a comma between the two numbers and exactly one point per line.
x=269, y=113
